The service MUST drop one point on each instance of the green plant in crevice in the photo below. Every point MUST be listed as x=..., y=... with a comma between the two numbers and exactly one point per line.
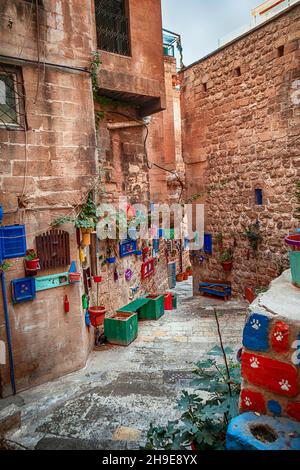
x=253, y=234
x=203, y=422
x=95, y=64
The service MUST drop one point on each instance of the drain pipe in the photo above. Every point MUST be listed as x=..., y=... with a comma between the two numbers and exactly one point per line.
x=11, y=360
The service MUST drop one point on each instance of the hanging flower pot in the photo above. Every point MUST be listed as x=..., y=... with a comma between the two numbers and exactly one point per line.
x=74, y=278
x=111, y=260
x=227, y=266
x=32, y=262
x=97, y=315
x=98, y=279
x=138, y=253
x=293, y=241
x=226, y=260
x=189, y=270
x=86, y=238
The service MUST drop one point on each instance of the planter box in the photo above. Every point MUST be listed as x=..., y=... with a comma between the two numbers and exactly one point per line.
x=121, y=328
x=134, y=307
x=154, y=309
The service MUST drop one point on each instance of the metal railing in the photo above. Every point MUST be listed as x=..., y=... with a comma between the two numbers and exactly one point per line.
x=112, y=26
x=12, y=114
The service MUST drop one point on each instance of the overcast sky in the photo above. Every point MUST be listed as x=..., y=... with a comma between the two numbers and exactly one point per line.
x=202, y=22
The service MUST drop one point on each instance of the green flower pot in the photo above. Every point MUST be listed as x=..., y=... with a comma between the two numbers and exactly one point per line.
x=295, y=267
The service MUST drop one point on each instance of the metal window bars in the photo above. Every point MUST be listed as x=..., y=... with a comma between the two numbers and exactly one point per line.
x=112, y=26
x=12, y=113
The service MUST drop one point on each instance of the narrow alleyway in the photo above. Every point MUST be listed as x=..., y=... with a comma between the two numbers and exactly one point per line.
x=111, y=402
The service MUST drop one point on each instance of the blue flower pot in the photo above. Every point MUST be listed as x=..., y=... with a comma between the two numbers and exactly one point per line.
x=110, y=260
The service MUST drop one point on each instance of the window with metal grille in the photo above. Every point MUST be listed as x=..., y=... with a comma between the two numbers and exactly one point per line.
x=11, y=98
x=112, y=26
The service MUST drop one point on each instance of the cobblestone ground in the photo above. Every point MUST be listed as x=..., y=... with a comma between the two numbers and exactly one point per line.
x=111, y=402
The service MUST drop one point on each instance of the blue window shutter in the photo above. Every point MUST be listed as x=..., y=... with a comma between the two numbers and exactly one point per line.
x=12, y=242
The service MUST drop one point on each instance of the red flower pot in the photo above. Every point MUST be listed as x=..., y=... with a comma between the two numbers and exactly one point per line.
x=168, y=302
x=74, y=277
x=33, y=264
x=97, y=315
x=227, y=266
x=97, y=279
x=185, y=276
x=179, y=277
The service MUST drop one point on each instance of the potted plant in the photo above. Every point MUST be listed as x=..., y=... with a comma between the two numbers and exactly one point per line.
x=110, y=258
x=293, y=241
x=97, y=313
x=189, y=270
x=226, y=259
x=86, y=221
x=185, y=276
x=179, y=277
x=32, y=261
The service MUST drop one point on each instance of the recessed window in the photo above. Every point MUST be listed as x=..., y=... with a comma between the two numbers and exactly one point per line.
x=112, y=26
x=238, y=72
x=280, y=51
x=259, y=197
x=204, y=87
x=11, y=98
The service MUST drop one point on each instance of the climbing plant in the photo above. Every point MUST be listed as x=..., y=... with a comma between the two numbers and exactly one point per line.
x=253, y=234
x=203, y=422
x=86, y=219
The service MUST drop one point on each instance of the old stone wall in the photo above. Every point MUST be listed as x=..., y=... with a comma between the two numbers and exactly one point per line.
x=46, y=172
x=240, y=119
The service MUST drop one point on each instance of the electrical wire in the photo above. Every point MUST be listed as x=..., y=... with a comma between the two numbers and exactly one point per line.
x=150, y=164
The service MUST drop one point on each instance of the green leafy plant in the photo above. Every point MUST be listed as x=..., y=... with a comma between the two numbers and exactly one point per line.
x=31, y=255
x=203, y=422
x=4, y=266
x=226, y=256
x=219, y=240
x=87, y=218
x=253, y=234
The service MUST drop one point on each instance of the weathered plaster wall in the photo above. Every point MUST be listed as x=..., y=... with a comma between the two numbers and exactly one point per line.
x=240, y=117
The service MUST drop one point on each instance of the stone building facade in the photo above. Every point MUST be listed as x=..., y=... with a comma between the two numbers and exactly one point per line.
x=240, y=119
x=52, y=151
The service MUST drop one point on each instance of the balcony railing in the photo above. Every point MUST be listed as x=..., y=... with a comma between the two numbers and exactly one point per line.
x=112, y=26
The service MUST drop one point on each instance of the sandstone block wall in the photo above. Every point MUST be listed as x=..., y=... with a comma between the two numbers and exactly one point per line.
x=241, y=125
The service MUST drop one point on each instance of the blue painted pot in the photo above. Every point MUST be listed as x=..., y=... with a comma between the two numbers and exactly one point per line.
x=138, y=253
x=110, y=260
x=252, y=432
